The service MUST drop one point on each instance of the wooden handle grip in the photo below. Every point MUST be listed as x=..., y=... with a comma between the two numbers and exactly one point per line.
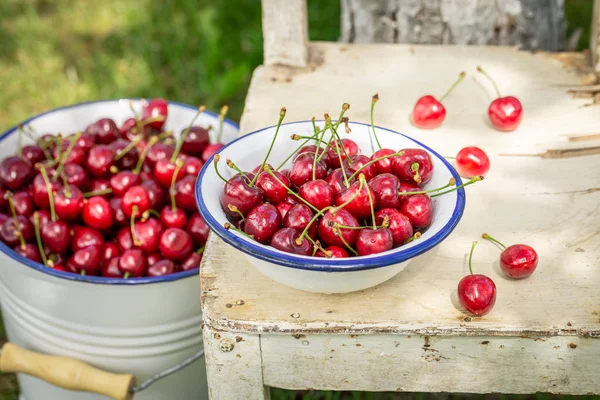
x=65, y=372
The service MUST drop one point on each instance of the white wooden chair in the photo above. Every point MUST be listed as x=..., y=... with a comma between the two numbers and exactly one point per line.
x=407, y=334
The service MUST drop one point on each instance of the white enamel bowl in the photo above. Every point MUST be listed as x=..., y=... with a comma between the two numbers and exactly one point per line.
x=139, y=326
x=322, y=275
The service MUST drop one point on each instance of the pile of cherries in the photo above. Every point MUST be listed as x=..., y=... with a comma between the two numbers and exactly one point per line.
x=333, y=201
x=110, y=201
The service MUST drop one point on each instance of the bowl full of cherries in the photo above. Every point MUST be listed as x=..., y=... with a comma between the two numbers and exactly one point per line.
x=104, y=191
x=330, y=206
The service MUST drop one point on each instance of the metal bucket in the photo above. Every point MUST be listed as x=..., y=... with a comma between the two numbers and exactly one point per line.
x=137, y=326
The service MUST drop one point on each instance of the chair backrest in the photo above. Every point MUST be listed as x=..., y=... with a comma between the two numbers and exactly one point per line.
x=285, y=29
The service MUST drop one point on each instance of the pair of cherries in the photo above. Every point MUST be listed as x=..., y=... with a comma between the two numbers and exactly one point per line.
x=477, y=292
x=505, y=113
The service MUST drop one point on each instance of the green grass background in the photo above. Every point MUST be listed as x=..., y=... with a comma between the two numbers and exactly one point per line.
x=59, y=52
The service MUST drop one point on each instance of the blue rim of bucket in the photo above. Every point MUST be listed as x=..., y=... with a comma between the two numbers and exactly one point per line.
x=98, y=279
x=324, y=264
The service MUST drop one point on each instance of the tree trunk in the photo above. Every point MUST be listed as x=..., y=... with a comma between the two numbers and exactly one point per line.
x=530, y=24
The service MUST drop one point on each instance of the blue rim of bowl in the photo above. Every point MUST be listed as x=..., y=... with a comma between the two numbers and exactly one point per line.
x=97, y=279
x=331, y=265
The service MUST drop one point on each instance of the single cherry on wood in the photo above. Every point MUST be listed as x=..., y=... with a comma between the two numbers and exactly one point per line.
x=476, y=292
x=428, y=112
x=516, y=261
x=472, y=161
x=505, y=113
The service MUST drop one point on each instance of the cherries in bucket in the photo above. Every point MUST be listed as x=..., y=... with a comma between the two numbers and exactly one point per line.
x=108, y=201
x=330, y=199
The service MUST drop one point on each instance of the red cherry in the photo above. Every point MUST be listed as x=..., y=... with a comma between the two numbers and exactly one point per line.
x=175, y=244
x=44, y=216
x=385, y=189
x=184, y=193
x=407, y=187
x=158, y=111
x=332, y=252
x=123, y=239
x=399, y=225
x=418, y=209
x=198, y=229
x=332, y=151
x=88, y=259
x=156, y=194
x=516, y=261
x=505, y=113
x=9, y=231
x=285, y=239
x=23, y=203
x=284, y=208
x=68, y=205
x=75, y=156
x=192, y=166
x=147, y=235
x=110, y=269
x=76, y=175
x=413, y=165
x=33, y=154
x=298, y=218
x=429, y=113
x=161, y=268
x=238, y=193
x=173, y=218
x=128, y=160
x=135, y=197
x=360, y=205
x=262, y=222
x=313, y=149
x=196, y=140
x=373, y=241
x=472, y=161
x=100, y=185
x=133, y=263
x=160, y=151
x=383, y=166
x=163, y=173
x=40, y=191
x=56, y=235
x=359, y=161
x=274, y=191
x=153, y=259
x=84, y=236
x=335, y=179
x=192, y=262
x=15, y=172
x=211, y=150
x=97, y=213
x=104, y=131
x=85, y=142
x=30, y=251
x=302, y=170
x=318, y=193
x=122, y=181
x=99, y=161
x=327, y=231
x=120, y=217
x=3, y=218
x=476, y=292
x=111, y=250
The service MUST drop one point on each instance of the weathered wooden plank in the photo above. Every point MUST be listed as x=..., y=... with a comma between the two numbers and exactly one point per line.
x=595, y=36
x=551, y=204
x=432, y=363
x=233, y=366
x=530, y=24
x=285, y=32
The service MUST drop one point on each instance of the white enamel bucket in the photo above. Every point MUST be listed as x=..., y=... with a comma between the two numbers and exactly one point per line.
x=140, y=326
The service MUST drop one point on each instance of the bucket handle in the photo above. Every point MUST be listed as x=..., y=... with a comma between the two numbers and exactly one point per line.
x=66, y=372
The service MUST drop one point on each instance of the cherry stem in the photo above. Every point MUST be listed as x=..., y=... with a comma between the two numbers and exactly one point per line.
x=97, y=193
x=373, y=101
x=50, y=193
x=297, y=149
x=491, y=239
x=228, y=226
x=66, y=186
x=372, y=207
x=236, y=210
x=290, y=191
x=414, y=237
x=338, y=233
x=222, y=114
x=315, y=128
x=127, y=148
x=340, y=141
x=149, y=145
x=470, y=182
x=13, y=211
x=165, y=135
x=216, y=159
x=200, y=250
x=262, y=167
x=318, y=146
x=38, y=237
x=178, y=166
x=479, y=69
x=373, y=161
x=461, y=76
x=346, y=181
x=147, y=214
x=471, y=256
x=134, y=212
x=415, y=168
x=184, y=134
x=451, y=182
x=126, y=275
x=62, y=158
x=232, y=165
